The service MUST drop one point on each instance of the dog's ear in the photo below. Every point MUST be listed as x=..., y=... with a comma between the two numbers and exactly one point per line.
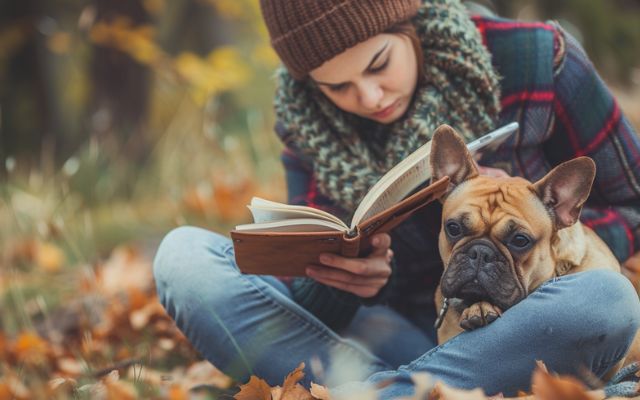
x=565, y=189
x=450, y=156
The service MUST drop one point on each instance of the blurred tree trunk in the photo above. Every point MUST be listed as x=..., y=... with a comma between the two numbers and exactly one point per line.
x=25, y=119
x=120, y=87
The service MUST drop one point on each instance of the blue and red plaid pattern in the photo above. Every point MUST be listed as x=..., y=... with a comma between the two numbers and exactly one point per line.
x=564, y=109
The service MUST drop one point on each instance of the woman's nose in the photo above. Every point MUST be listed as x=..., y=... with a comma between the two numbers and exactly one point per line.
x=370, y=95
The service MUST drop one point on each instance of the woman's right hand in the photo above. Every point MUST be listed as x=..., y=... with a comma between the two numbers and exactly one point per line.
x=363, y=277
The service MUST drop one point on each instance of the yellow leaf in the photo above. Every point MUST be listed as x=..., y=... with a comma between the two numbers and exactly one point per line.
x=49, y=257
x=256, y=389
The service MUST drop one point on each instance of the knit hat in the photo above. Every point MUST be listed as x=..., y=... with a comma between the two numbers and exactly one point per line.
x=306, y=33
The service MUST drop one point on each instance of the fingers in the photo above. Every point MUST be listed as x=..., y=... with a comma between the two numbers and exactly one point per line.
x=368, y=290
x=336, y=274
x=373, y=266
x=381, y=242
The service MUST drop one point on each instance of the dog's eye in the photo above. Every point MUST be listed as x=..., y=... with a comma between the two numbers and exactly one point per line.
x=519, y=241
x=453, y=229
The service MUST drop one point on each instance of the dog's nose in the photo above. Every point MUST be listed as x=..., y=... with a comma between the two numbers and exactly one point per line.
x=481, y=254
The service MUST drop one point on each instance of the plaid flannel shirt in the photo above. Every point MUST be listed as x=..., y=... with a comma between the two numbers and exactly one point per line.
x=564, y=109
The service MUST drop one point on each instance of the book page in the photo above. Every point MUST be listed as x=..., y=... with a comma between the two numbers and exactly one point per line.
x=267, y=211
x=414, y=170
x=395, y=184
x=292, y=225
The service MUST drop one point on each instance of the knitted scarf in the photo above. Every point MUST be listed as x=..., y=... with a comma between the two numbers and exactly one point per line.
x=350, y=153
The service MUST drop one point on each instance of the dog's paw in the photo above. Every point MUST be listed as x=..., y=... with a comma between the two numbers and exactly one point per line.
x=479, y=315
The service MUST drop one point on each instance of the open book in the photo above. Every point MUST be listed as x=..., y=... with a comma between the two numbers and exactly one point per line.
x=284, y=239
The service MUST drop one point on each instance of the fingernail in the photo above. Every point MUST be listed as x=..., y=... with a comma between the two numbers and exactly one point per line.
x=375, y=241
x=325, y=259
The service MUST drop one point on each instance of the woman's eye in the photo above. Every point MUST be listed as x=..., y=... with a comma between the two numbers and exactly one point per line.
x=338, y=88
x=520, y=241
x=453, y=229
x=381, y=67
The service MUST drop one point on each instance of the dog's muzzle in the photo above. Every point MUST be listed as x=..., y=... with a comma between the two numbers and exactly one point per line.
x=480, y=272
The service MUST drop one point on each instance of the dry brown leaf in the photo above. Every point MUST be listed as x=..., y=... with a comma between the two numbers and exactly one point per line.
x=121, y=390
x=256, y=389
x=58, y=386
x=443, y=392
x=320, y=392
x=115, y=389
x=291, y=389
x=547, y=387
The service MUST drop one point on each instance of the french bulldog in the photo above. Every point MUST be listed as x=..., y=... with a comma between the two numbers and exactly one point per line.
x=501, y=238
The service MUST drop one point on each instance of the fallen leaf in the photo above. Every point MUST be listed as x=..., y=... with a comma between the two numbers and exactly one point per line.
x=204, y=373
x=115, y=389
x=12, y=388
x=125, y=270
x=49, y=257
x=176, y=392
x=31, y=348
x=58, y=386
x=291, y=389
x=320, y=392
x=141, y=317
x=70, y=366
x=547, y=387
x=256, y=389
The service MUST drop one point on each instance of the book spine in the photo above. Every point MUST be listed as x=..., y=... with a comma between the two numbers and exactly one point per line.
x=351, y=245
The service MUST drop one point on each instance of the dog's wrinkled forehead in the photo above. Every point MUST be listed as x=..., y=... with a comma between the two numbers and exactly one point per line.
x=497, y=201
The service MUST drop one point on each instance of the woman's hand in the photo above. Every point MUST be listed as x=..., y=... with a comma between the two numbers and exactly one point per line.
x=363, y=277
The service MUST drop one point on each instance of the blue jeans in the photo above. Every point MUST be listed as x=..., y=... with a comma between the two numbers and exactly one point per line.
x=249, y=325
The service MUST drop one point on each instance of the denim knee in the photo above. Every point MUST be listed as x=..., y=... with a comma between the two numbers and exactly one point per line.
x=596, y=309
x=179, y=264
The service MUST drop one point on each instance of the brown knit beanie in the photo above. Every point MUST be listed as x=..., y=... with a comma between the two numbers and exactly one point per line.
x=306, y=33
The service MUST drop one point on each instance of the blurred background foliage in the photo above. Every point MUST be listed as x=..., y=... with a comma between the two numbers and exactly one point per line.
x=120, y=119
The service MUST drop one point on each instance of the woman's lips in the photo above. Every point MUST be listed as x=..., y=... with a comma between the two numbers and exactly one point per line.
x=385, y=112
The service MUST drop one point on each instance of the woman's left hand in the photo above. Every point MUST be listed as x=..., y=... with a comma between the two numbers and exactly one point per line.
x=363, y=277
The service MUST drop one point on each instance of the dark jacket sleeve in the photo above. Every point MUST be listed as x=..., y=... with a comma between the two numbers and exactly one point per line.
x=588, y=121
x=334, y=307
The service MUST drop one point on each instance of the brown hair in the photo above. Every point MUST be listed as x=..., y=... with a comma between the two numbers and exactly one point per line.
x=406, y=28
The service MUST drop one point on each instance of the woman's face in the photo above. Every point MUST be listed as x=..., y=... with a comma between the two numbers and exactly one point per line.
x=374, y=79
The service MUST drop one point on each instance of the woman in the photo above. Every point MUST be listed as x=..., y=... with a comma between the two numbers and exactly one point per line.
x=365, y=83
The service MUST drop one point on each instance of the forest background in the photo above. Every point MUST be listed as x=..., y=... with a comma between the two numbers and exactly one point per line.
x=120, y=120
